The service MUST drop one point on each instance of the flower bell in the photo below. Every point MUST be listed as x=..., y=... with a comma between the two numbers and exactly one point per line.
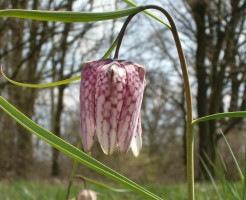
x=87, y=194
x=111, y=93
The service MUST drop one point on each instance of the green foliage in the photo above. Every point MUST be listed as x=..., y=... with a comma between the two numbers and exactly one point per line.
x=148, y=13
x=228, y=189
x=66, y=16
x=79, y=156
x=70, y=150
x=43, y=85
x=23, y=190
x=220, y=115
x=244, y=185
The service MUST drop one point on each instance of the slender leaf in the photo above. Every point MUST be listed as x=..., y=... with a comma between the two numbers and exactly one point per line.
x=43, y=85
x=220, y=115
x=75, y=164
x=70, y=150
x=223, y=180
x=233, y=190
x=66, y=81
x=67, y=16
x=218, y=170
x=74, y=170
x=222, y=161
x=99, y=184
x=212, y=179
x=229, y=188
x=244, y=184
x=234, y=158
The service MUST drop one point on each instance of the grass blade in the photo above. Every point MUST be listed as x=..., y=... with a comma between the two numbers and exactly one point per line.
x=234, y=158
x=212, y=179
x=70, y=150
x=99, y=184
x=222, y=161
x=229, y=188
x=233, y=191
x=218, y=170
x=244, y=184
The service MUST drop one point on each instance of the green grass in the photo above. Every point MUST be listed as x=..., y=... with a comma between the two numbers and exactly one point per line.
x=23, y=190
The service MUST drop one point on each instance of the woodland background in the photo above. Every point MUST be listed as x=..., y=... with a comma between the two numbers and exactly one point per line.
x=213, y=34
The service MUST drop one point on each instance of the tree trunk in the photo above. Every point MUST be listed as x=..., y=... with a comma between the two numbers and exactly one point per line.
x=55, y=169
x=215, y=37
x=56, y=122
x=206, y=140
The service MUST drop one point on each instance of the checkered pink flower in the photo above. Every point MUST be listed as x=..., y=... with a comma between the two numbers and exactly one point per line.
x=111, y=95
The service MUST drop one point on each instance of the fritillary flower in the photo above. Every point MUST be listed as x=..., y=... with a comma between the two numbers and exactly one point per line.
x=111, y=95
x=87, y=195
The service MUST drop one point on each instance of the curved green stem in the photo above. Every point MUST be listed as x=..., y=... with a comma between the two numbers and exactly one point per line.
x=148, y=13
x=189, y=131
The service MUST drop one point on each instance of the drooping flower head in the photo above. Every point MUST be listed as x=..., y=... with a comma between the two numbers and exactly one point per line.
x=111, y=95
x=87, y=194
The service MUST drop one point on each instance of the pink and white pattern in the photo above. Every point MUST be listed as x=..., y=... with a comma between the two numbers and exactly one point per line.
x=111, y=95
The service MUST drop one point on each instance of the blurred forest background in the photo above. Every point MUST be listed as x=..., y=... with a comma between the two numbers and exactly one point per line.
x=213, y=34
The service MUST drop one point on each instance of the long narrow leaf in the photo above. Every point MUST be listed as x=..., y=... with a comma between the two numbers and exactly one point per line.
x=67, y=16
x=223, y=181
x=229, y=188
x=66, y=81
x=212, y=179
x=42, y=85
x=220, y=115
x=244, y=185
x=233, y=190
x=222, y=161
x=99, y=184
x=70, y=150
x=217, y=169
x=74, y=170
x=234, y=158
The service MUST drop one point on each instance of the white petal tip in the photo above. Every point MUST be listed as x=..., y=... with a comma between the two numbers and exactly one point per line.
x=135, y=152
x=107, y=151
x=136, y=146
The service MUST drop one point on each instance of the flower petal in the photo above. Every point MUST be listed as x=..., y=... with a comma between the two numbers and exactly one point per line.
x=136, y=143
x=87, y=102
x=131, y=106
x=110, y=86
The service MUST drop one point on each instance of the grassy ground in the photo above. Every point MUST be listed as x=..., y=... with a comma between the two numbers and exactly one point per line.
x=20, y=190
